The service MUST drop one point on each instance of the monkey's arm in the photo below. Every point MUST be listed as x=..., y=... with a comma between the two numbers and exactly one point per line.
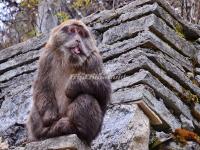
x=43, y=93
x=44, y=101
x=99, y=88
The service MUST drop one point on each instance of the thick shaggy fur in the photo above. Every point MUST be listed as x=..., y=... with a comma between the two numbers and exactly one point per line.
x=63, y=102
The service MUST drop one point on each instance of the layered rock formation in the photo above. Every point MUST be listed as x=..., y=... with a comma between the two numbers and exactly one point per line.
x=153, y=59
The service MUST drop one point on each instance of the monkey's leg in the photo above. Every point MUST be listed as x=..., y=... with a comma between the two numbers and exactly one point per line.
x=86, y=115
x=37, y=130
x=84, y=119
x=62, y=127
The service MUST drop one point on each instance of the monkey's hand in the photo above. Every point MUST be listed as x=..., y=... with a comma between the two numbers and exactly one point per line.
x=100, y=88
x=63, y=125
x=71, y=93
x=73, y=88
x=49, y=117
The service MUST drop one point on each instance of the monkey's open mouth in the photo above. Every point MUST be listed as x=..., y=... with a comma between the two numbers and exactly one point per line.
x=76, y=50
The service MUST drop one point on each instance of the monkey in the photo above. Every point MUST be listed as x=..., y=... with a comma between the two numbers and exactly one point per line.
x=67, y=96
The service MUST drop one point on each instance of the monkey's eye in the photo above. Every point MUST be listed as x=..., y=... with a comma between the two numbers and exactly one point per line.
x=71, y=30
x=80, y=32
x=83, y=33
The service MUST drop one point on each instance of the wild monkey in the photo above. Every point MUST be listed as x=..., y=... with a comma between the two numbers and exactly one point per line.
x=65, y=102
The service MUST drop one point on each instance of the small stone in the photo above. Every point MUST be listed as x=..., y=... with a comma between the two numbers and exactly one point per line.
x=178, y=146
x=198, y=57
x=196, y=111
x=162, y=136
x=197, y=70
x=190, y=75
x=3, y=144
x=197, y=77
x=186, y=123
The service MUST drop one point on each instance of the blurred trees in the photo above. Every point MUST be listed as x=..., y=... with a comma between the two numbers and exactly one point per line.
x=17, y=21
x=53, y=12
x=23, y=19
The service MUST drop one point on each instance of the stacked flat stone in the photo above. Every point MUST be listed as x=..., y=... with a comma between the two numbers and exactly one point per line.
x=150, y=55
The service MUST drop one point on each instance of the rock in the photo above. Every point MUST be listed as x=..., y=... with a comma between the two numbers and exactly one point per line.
x=19, y=148
x=143, y=76
x=197, y=70
x=8, y=75
x=125, y=127
x=3, y=144
x=15, y=135
x=144, y=39
x=70, y=142
x=35, y=43
x=198, y=40
x=197, y=77
x=178, y=146
x=176, y=71
x=156, y=25
x=142, y=92
x=196, y=110
x=186, y=123
x=47, y=19
x=162, y=136
x=190, y=75
x=15, y=110
x=19, y=60
x=138, y=59
x=198, y=57
x=190, y=31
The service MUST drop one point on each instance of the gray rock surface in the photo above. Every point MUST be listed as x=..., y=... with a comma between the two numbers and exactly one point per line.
x=141, y=91
x=196, y=111
x=188, y=146
x=149, y=53
x=130, y=129
x=70, y=142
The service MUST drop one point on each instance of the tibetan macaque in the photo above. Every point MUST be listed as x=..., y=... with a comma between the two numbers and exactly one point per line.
x=71, y=90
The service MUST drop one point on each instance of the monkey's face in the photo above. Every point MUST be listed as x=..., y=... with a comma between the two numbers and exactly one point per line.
x=74, y=42
x=75, y=46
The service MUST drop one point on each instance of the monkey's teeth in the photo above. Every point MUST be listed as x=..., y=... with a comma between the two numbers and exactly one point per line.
x=77, y=50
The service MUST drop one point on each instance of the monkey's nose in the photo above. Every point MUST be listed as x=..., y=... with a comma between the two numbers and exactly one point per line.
x=78, y=41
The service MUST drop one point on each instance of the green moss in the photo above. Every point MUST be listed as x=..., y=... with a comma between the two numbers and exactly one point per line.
x=154, y=144
x=189, y=97
x=81, y=3
x=32, y=33
x=179, y=30
x=29, y=3
x=62, y=16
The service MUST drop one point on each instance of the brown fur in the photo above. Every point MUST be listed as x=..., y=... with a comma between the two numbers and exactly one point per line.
x=63, y=103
